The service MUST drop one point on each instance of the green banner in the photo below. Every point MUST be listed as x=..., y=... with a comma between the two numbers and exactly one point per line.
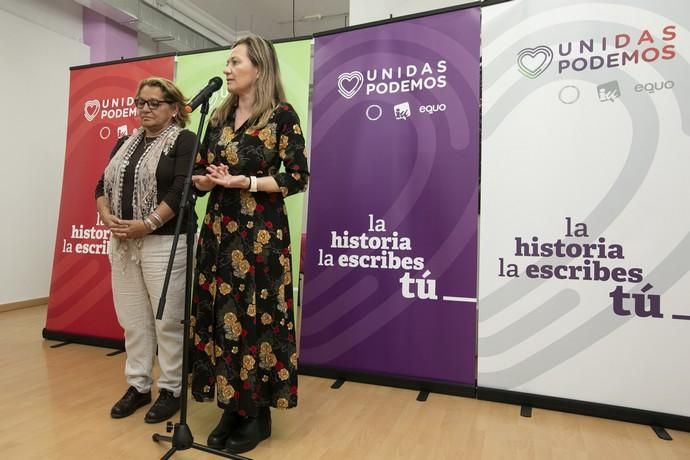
x=192, y=73
x=295, y=68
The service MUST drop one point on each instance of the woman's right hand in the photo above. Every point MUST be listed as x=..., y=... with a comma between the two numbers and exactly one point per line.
x=113, y=223
x=203, y=183
x=109, y=220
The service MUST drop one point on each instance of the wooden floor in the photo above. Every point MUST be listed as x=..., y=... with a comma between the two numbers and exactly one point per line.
x=55, y=403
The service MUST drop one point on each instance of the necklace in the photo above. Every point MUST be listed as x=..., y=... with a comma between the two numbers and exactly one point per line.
x=148, y=141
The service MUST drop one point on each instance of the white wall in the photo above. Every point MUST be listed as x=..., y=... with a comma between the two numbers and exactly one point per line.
x=63, y=17
x=362, y=11
x=148, y=47
x=35, y=65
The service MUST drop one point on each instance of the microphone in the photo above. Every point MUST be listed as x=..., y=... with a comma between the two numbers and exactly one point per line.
x=214, y=85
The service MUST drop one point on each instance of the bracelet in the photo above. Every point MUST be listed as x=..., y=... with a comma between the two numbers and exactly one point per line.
x=253, y=184
x=149, y=224
x=249, y=187
x=157, y=217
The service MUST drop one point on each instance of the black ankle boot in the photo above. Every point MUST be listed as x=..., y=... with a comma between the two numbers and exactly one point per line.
x=250, y=433
x=228, y=423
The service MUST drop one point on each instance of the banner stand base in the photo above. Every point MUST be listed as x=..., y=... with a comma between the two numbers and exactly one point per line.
x=573, y=406
x=409, y=383
x=661, y=433
x=83, y=339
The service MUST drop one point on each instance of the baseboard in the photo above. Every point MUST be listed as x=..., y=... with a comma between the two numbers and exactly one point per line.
x=409, y=383
x=624, y=414
x=23, y=304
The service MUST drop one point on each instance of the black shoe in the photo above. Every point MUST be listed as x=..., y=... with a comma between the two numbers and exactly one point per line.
x=165, y=407
x=130, y=402
x=229, y=422
x=250, y=433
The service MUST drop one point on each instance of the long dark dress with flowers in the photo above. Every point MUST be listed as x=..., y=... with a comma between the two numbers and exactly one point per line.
x=242, y=307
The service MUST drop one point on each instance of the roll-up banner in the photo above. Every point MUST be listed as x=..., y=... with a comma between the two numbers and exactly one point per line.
x=192, y=73
x=194, y=70
x=585, y=229
x=101, y=109
x=390, y=279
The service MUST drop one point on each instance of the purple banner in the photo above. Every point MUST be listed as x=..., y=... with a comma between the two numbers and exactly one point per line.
x=391, y=267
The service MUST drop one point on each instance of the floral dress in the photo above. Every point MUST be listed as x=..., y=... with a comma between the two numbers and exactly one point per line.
x=242, y=308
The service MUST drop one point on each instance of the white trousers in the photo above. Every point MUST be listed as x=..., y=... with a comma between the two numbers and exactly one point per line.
x=136, y=293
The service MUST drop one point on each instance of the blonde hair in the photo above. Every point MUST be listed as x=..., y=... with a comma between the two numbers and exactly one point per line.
x=268, y=89
x=170, y=93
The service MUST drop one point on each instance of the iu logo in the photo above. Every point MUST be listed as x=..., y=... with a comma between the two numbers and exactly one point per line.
x=349, y=83
x=609, y=92
x=532, y=62
x=121, y=131
x=91, y=109
x=402, y=111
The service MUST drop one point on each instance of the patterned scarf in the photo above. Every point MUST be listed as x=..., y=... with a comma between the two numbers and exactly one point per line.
x=145, y=193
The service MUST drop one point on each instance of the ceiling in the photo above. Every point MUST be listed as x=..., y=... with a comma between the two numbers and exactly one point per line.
x=273, y=18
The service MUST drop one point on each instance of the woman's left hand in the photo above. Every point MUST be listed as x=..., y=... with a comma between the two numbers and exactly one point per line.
x=129, y=229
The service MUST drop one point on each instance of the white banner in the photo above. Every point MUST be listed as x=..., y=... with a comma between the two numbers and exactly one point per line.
x=585, y=224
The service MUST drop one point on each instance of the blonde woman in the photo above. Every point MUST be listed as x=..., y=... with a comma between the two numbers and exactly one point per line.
x=138, y=197
x=243, y=322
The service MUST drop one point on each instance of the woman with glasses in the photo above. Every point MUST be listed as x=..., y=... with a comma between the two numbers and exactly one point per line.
x=244, y=328
x=138, y=198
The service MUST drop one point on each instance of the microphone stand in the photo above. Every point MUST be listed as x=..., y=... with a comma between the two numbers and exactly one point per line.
x=182, y=438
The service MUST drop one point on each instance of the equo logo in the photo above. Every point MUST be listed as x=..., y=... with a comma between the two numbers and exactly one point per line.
x=651, y=88
x=431, y=109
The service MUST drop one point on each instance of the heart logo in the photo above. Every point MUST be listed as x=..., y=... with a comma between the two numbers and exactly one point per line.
x=532, y=62
x=91, y=109
x=349, y=83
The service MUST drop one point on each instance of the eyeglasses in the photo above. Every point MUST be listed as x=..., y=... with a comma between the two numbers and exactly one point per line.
x=152, y=103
